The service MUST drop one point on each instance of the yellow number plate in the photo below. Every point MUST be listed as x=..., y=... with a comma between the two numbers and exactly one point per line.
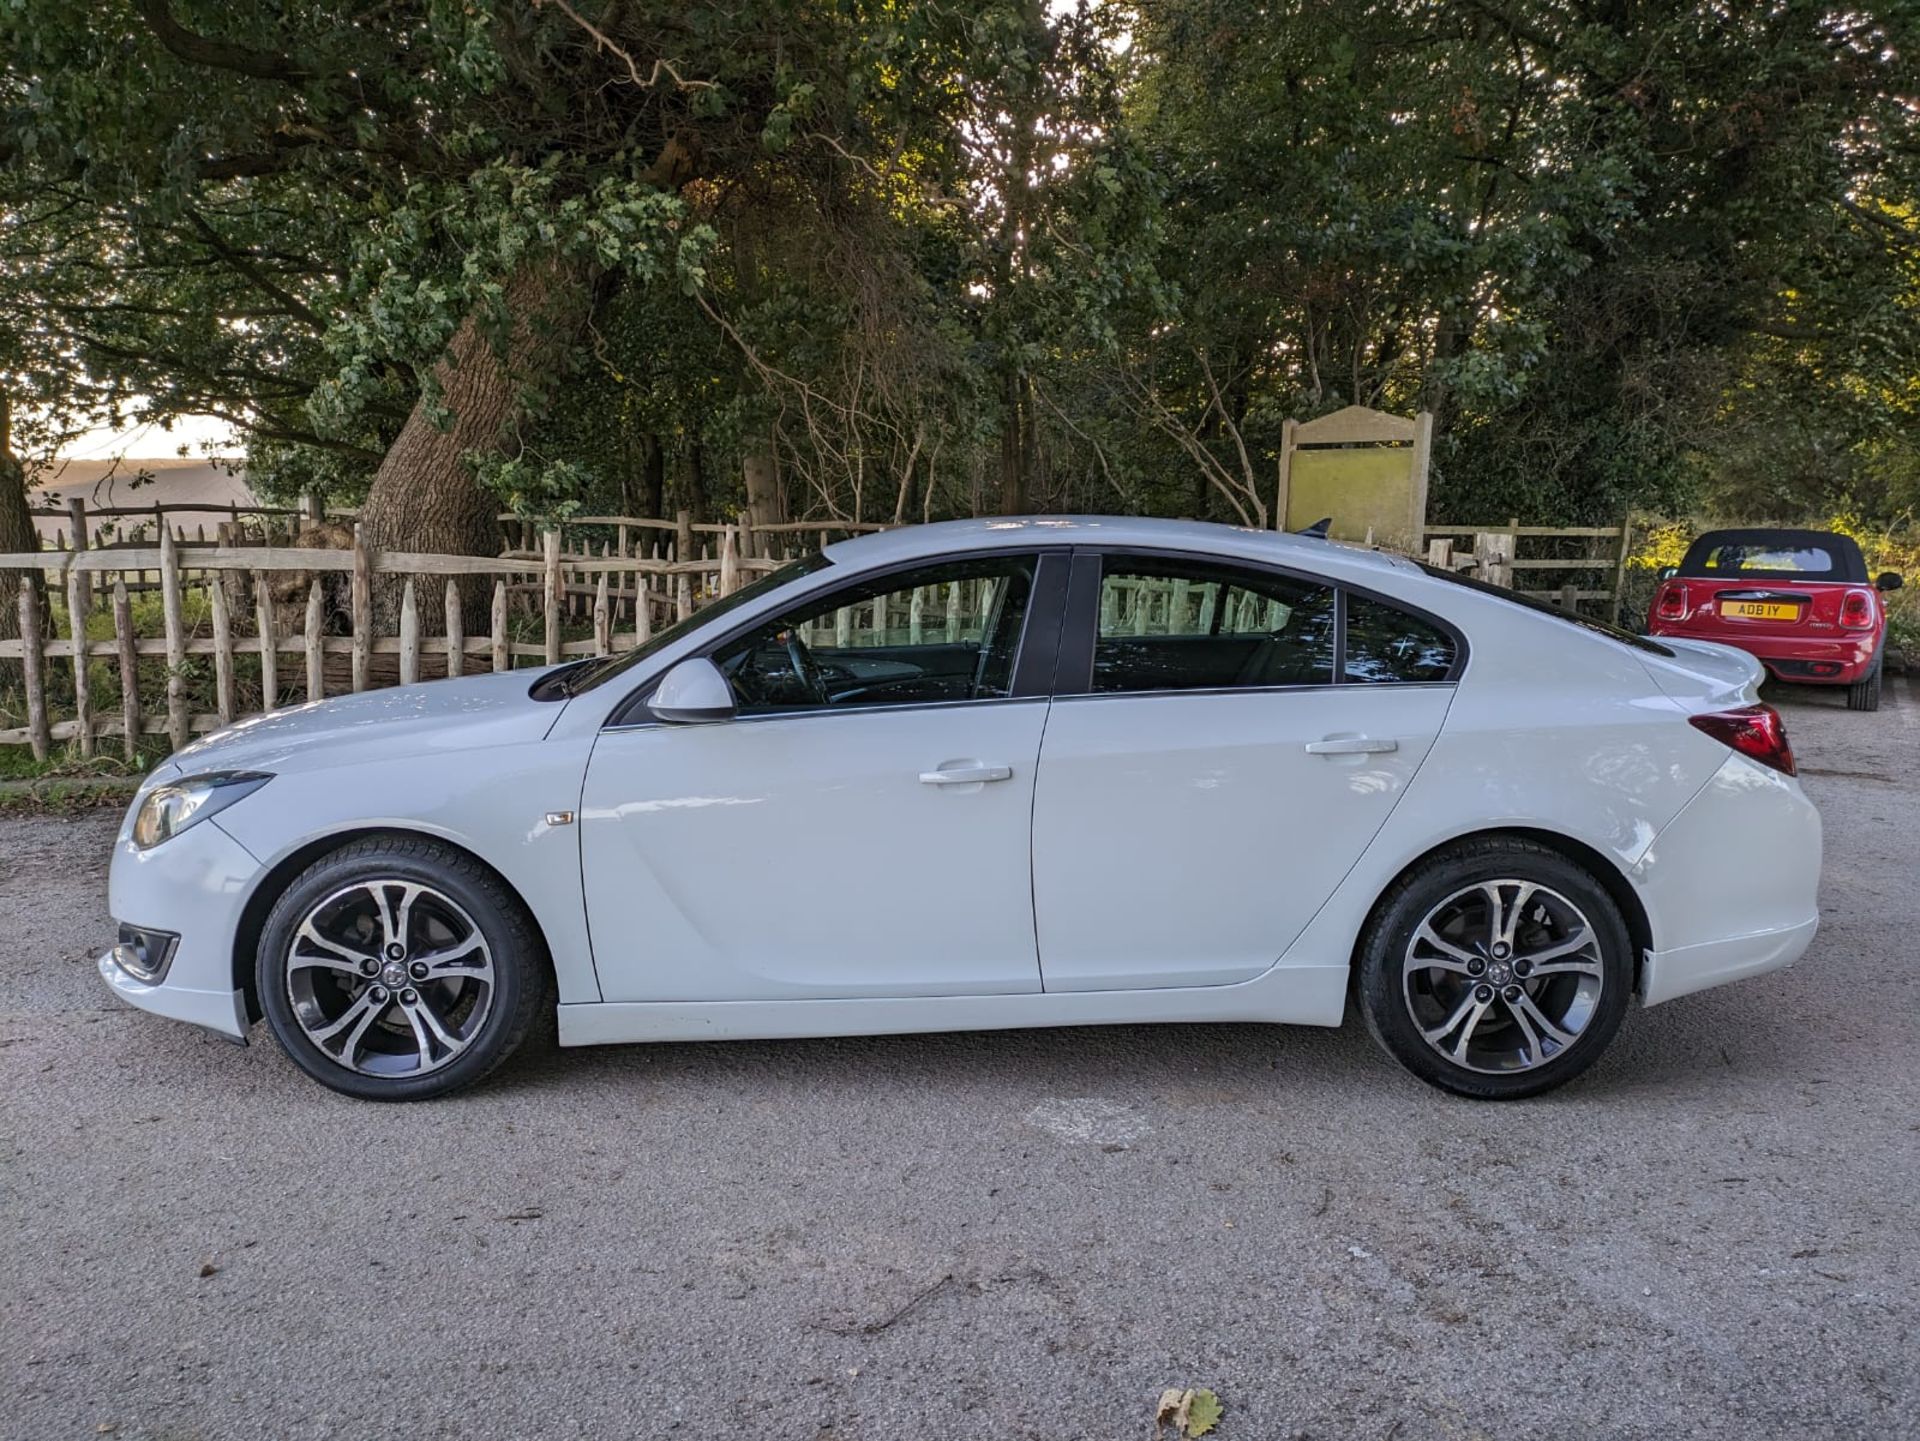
x=1760, y=610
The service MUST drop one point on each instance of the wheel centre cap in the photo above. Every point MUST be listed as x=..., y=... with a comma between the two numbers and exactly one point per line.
x=394, y=977
x=1499, y=973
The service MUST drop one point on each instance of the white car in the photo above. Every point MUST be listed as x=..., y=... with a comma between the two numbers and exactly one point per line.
x=1013, y=772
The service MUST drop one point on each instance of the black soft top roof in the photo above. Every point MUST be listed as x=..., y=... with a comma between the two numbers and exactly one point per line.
x=1848, y=564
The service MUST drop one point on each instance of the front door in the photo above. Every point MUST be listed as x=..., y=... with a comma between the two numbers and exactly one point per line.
x=1220, y=771
x=862, y=828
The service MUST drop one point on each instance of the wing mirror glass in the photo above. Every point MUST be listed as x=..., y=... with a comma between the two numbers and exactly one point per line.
x=693, y=693
x=1668, y=572
x=1888, y=580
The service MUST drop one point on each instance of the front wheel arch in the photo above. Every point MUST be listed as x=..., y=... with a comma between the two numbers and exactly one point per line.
x=273, y=884
x=1602, y=867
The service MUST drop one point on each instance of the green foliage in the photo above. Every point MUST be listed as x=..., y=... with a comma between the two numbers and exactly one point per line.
x=940, y=259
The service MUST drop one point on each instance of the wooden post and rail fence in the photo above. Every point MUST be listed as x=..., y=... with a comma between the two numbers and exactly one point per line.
x=305, y=612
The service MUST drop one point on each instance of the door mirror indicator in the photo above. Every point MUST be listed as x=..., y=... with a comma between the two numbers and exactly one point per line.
x=1889, y=580
x=693, y=693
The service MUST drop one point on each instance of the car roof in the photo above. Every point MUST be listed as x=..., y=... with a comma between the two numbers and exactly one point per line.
x=1849, y=564
x=953, y=537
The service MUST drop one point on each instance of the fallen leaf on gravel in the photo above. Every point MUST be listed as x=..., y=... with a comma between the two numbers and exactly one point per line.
x=527, y=1213
x=1190, y=1412
x=1203, y=1412
x=207, y=1268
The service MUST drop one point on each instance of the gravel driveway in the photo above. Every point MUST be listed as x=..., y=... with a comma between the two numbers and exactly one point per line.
x=1713, y=1234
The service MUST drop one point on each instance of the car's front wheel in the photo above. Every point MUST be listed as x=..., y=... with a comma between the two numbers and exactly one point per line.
x=1496, y=969
x=397, y=968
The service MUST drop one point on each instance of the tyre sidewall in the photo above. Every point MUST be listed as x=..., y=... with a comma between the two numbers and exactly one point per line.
x=516, y=974
x=1383, y=960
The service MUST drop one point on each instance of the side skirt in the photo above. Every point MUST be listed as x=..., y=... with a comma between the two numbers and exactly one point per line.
x=1288, y=995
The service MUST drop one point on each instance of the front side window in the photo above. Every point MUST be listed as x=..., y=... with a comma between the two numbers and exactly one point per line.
x=942, y=633
x=1187, y=625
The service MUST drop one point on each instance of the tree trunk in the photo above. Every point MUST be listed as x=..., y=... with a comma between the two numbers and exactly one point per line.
x=653, y=479
x=16, y=526
x=766, y=505
x=1015, y=438
x=425, y=497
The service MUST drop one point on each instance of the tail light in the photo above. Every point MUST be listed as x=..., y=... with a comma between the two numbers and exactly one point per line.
x=1671, y=603
x=1755, y=731
x=1856, y=610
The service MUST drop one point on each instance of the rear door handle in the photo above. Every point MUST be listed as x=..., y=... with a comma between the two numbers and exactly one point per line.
x=1351, y=746
x=966, y=775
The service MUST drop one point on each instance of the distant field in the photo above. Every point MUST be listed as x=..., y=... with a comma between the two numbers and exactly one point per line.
x=174, y=481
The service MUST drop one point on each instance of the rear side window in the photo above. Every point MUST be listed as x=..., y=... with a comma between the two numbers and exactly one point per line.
x=1386, y=644
x=1186, y=625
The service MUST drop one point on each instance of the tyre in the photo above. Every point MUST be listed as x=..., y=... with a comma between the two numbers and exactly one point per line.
x=1864, y=694
x=396, y=969
x=1496, y=969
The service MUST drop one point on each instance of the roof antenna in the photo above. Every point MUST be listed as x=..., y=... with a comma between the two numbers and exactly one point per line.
x=1318, y=530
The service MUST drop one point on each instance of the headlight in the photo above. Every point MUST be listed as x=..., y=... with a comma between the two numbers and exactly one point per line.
x=171, y=808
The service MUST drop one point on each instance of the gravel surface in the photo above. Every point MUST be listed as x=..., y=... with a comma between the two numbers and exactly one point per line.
x=984, y=1235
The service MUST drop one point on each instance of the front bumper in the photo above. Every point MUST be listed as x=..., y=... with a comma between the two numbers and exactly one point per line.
x=195, y=886
x=221, y=1011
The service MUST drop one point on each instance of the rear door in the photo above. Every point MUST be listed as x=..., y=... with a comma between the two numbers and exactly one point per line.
x=1217, y=758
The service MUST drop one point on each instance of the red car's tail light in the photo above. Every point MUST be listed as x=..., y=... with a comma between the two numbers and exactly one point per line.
x=1755, y=730
x=1856, y=610
x=1671, y=603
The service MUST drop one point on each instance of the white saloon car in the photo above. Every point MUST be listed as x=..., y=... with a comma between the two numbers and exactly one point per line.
x=1016, y=772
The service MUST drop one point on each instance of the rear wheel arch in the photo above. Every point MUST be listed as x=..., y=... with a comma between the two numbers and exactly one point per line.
x=273, y=884
x=1602, y=867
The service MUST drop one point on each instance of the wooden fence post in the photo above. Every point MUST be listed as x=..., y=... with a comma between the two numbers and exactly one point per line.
x=602, y=619
x=456, y=637
x=501, y=659
x=77, y=518
x=316, y=656
x=82, y=680
x=1493, y=555
x=409, y=635
x=550, y=593
x=222, y=650
x=129, y=669
x=683, y=535
x=179, y=725
x=362, y=610
x=269, y=643
x=1440, y=553
x=33, y=670
x=1620, y=566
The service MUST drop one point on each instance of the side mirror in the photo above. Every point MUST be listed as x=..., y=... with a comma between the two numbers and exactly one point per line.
x=1668, y=572
x=693, y=693
x=1888, y=580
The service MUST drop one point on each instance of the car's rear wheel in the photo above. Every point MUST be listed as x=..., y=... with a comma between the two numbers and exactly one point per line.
x=1864, y=694
x=395, y=969
x=1496, y=969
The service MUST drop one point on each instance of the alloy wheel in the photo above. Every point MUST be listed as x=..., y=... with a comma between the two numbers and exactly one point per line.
x=1503, y=976
x=390, y=977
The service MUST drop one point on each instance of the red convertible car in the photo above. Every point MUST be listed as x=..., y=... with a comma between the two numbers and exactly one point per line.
x=1799, y=600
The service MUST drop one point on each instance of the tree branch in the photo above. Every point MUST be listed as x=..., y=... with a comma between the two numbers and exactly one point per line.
x=195, y=49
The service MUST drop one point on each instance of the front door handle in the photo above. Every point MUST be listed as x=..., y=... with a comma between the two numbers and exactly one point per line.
x=1351, y=746
x=965, y=775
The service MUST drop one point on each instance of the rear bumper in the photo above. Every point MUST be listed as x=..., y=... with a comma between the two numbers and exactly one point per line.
x=1844, y=659
x=1681, y=972
x=1731, y=885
